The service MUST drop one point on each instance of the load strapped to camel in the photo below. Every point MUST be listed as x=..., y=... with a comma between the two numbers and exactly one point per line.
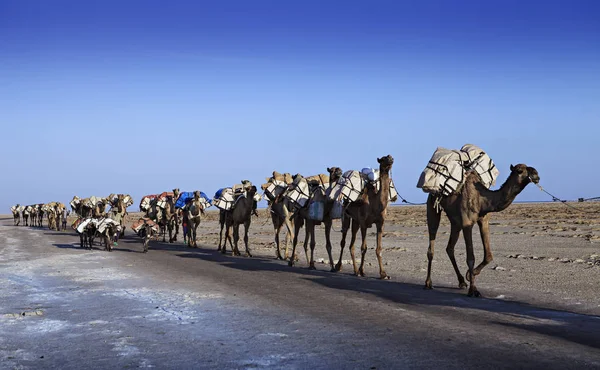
x=114, y=198
x=350, y=187
x=140, y=224
x=445, y=172
x=92, y=201
x=99, y=223
x=186, y=198
x=226, y=198
x=146, y=202
x=276, y=185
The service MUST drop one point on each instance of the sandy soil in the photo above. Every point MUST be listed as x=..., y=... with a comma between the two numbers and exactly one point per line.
x=548, y=253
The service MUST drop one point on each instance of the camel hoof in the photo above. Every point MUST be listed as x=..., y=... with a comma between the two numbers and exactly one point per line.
x=291, y=263
x=384, y=277
x=248, y=254
x=462, y=285
x=333, y=270
x=279, y=257
x=428, y=285
x=338, y=267
x=474, y=293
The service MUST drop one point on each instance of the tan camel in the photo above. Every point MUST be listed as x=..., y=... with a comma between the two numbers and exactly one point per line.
x=473, y=204
x=165, y=215
x=193, y=211
x=301, y=218
x=118, y=210
x=370, y=209
x=241, y=213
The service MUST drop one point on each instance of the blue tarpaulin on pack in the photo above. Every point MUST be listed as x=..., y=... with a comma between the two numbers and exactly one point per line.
x=187, y=196
x=218, y=193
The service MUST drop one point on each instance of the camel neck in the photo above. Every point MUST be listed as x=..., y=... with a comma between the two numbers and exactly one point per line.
x=499, y=200
x=384, y=187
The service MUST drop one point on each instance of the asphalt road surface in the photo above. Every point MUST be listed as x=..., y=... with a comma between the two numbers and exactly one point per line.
x=179, y=308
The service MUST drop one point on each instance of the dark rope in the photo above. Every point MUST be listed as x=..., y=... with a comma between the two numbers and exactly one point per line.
x=556, y=199
x=411, y=203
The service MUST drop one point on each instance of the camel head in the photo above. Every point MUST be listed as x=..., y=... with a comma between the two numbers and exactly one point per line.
x=251, y=191
x=385, y=163
x=334, y=173
x=525, y=174
x=196, y=194
x=176, y=194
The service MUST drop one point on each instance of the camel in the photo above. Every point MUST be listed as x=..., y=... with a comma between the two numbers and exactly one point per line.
x=118, y=209
x=280, y=209
x=241, y=213
x=35, y=211
x=246, y=185
x=25, y=213
x=370, y=209
x=301, y=217
x=40, y=214
x=16, y=214
x=473, y=204
x=166, y=214
x=193, y=211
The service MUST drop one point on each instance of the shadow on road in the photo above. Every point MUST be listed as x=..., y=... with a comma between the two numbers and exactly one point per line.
x=578, y=328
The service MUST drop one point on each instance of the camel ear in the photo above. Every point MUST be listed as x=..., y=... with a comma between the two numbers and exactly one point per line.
x=512, y=168
x=378, y=160
x=328, y=169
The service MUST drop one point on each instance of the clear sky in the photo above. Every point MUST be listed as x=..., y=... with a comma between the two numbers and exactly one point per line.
x=100, y=97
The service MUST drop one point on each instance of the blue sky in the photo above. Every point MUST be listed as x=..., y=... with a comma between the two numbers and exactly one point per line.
x=143, y=96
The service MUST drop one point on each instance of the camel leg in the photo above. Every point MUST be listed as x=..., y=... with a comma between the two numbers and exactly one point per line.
x=246, y=229
x=484, y=230
x=311, y=264
x=147, y=236
x=196, y=224
x=170, y=228
x=290, y=235
x=221, y=237
x=236, y=239
x=454, y=234
x=297, y=226
x=355, y=227
x=379, y=251
x=278, y=251
x=227, y=238
x=433, y=223
x=468, y=235
x=328, y=224
x=306, y=238
x=345, y=227
x=363, y=250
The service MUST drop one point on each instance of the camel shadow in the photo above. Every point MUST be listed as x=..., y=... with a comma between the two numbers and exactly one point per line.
x=579, y=328
x=68, y=246
x=583, y=329
x=60, y=233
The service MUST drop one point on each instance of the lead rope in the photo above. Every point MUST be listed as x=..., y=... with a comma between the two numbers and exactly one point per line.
x=556, y=199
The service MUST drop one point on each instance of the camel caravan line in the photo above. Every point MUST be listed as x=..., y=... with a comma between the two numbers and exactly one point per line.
x=33, y=215
x=457, y=182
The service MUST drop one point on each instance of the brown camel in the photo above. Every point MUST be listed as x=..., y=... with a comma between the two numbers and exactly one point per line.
x=301, y=218
x=471, y=205
x=280, y=210
x=370, y=209
x=193, y=211
x=241, y=213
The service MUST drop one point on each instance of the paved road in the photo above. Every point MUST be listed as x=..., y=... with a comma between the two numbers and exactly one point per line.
x=174, y=307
